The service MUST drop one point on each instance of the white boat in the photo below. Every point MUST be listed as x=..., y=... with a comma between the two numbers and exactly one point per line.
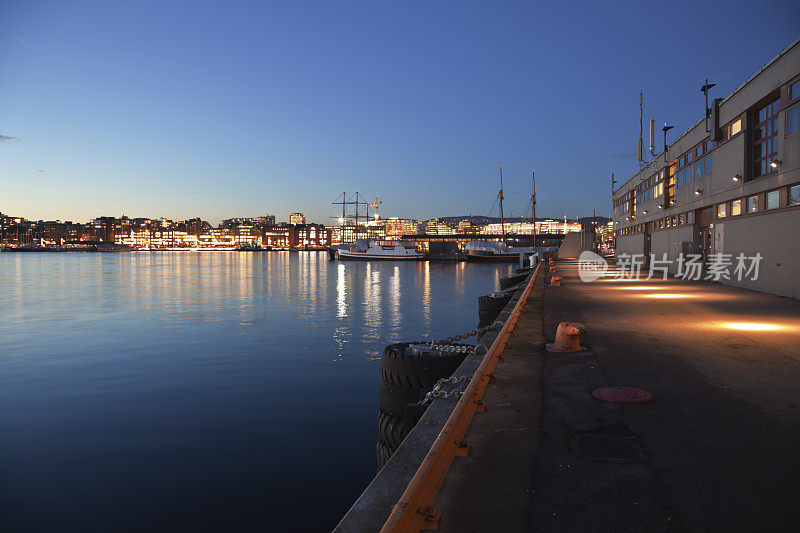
x=379, y=250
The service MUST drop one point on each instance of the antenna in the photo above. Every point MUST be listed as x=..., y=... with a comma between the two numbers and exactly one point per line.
x=502, y=222
x=533, y=206
x=652, y=137
x=641, y=143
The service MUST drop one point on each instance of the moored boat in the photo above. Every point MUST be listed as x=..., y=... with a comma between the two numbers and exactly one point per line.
x=379, y=250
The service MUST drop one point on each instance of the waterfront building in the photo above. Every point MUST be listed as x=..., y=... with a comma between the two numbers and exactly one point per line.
x=548, y=226
x=729, y=185
x=297, y=218
x=437, y=227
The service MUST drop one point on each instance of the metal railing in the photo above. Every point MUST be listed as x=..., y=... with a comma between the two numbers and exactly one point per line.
x=414, y=510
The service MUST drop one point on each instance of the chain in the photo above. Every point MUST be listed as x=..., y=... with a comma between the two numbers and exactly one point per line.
x=437, y=392
x=450, y=340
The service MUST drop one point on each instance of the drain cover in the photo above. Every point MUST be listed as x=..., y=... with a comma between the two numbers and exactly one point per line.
x=622, y=395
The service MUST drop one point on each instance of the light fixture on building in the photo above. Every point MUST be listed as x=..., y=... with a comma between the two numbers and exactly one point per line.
x=661, y=207
x=645, y=211
x=737, y=177
x=697, y=192
x=775, y=163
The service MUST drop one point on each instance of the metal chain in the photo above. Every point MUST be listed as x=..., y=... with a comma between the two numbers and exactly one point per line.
x=468, y=334
x=437, y=392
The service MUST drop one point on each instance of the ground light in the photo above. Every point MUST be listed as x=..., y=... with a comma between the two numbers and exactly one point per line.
x=641, y=288
x=668, y=295
x=752, y=326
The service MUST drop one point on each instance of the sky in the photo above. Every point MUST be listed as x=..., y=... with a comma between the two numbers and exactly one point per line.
x=237, y=108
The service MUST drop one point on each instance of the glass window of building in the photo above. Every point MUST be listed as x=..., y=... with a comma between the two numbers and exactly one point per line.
x=735, y=128
x=752, y=204
x=773, y=199
x=765, y=138
x=793, y=120
x=721, y=213
x=698, y=169
x=794, y=194
x=706, y=165
x=690, y=217
x=681, y=219
x=736, y=208
x=794, y=90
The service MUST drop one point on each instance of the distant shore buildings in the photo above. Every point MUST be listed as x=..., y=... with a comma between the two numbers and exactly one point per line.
x=259, y=232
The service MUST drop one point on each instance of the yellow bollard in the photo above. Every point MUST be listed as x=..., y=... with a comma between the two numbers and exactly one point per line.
x=555, y=281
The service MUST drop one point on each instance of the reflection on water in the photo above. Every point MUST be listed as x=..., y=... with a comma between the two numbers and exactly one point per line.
x=203, y=391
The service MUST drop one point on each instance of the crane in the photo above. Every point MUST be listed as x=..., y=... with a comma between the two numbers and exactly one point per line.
x=375, y=204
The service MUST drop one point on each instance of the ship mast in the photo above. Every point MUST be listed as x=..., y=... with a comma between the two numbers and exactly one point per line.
x=502, y=221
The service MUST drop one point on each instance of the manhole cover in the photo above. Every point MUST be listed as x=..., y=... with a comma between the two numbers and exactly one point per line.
x=622, y=395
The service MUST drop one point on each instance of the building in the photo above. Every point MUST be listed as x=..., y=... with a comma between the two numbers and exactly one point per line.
x=729, y=187
x=297, y=218
x=548, y=226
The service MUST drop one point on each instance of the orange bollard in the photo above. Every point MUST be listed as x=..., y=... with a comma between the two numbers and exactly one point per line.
x=567, y=338
x=555, y=281
x=553, y=268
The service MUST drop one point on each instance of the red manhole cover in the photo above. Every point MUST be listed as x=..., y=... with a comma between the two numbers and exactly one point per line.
x=622, y=395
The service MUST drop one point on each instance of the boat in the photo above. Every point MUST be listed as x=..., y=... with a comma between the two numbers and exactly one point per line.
x=499, y=251
x=367, y=250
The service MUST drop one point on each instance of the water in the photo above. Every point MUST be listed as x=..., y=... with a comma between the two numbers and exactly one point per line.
x=203, y=391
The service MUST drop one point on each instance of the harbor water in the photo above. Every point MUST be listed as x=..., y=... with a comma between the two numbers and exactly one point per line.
x=204, y=391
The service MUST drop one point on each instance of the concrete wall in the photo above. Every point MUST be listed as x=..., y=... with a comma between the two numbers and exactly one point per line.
x=630, y=244
x=571, y=246
x=775, y=237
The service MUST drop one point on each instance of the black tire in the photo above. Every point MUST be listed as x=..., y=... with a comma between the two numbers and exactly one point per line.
x=489, y=307
x=383, y=453
x=512, y=280
x=417, y=371
x=391, y=430
x=394, y=398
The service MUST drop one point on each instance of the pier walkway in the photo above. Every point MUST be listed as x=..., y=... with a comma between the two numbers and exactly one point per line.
x=717, y=449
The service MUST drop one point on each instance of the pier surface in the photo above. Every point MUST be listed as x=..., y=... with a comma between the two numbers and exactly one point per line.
x=716, y=449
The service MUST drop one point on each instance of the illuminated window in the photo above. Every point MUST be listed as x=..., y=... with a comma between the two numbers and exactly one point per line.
x=736, y=127
x=736, y=208
x=681, y=219
x=752, y=204
x=765, y=138
x=772, y=200
x=721, y=213
x=794, y=194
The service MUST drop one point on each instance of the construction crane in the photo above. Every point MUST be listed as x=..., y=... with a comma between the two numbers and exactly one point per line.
x=375, y=204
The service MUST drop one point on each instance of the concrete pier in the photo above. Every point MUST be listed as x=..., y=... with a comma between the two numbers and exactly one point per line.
x=717, y=448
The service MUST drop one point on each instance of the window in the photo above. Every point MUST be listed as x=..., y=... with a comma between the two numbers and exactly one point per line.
x=681, y=219
x=736, y=208
x=752, y=204
x=689, y=217
x=773, y=199
x=721, y=213
x=765, y=138
x=794, y=90
x=707, y=165
x=698, y=169
x=735, y=128
x=793, y=120
x=794, y=194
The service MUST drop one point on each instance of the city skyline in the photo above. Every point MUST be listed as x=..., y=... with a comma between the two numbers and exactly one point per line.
x=154, y=110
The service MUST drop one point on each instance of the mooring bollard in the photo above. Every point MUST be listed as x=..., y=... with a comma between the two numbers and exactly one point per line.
x=567, y=338
x=555, y=281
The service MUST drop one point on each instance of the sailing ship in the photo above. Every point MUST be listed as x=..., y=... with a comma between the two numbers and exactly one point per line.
x=499, y=251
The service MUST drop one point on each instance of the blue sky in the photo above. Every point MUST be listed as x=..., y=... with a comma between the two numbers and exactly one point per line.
x=222, y=109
